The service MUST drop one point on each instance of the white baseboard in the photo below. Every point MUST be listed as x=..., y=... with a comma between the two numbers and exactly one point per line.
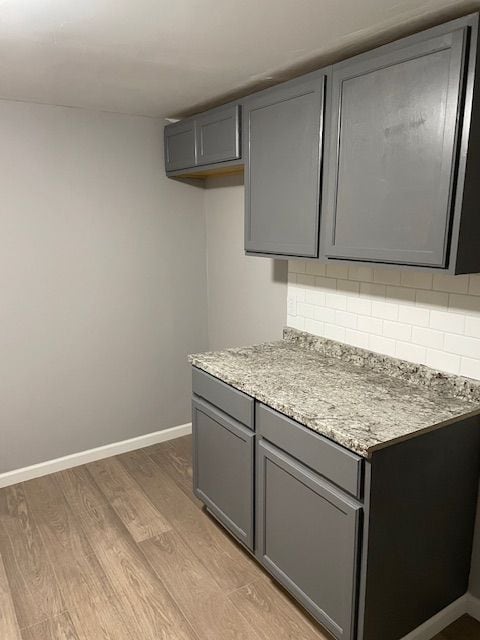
x=473, y=606
x=442, y=619
x=83, y=457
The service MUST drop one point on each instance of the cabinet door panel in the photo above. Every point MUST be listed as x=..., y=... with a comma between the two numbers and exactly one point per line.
x=223, y=468
x=218, y=135
x=307, y=538
x=283, y=157
x=179, y=139
x=392, y=154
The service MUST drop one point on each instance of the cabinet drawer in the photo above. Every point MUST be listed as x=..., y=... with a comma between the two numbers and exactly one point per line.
x=234, y=402
x=223, y=469
x=307, y=538
x=333, y=462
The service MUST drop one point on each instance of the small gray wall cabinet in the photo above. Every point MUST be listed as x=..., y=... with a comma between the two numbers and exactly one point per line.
x=283, y=155
x=204, y=142
x=371, y=548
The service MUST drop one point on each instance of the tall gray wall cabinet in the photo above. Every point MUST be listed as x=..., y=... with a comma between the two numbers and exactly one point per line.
x=371, y=548
x=401, y=151
x=284, y=128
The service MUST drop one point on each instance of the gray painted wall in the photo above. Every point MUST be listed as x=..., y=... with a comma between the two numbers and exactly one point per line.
x=247, y=296
x=102, y=281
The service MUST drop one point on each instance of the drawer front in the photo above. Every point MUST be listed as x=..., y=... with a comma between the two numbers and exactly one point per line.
x=223, y=467
x=307, y=538
x=333, y=462
x=230, y=400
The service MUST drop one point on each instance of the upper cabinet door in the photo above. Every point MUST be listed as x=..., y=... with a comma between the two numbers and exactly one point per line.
x=283, y=129
x=179, y=140
x=391, y=158
x=218, y=135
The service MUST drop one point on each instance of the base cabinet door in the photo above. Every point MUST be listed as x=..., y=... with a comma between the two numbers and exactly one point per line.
x=223, y=468
x=307, y=538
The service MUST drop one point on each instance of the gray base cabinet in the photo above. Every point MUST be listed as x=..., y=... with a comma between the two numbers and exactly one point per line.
x=307, y=537
x=223, y=469
x=371, y=548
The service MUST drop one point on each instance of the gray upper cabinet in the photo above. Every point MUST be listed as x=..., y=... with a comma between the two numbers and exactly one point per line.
x=307, y=537
x=218, y=135
x=393, y=130
x=179, y=139
x=283, y=154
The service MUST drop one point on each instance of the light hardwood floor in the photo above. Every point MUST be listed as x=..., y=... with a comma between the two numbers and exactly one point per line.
x=120, y=549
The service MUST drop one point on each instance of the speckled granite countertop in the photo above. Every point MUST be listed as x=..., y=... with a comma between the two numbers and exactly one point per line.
x=361, y=400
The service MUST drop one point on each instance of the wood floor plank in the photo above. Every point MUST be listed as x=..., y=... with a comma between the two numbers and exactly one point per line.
x=146, y=604
x=274, y=614
x=230, y=565
x=208, y=609
x=130, y=503
x=30, y=573
x=59, y=628
x=175, y=458
x=8, y=620
x=87, y=593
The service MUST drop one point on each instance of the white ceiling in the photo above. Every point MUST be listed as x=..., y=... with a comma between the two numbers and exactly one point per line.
x=159, y=58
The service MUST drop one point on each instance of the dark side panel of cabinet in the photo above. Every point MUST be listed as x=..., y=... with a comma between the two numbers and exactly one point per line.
x=283, y=131
x=307, y=538
x=218, y=135
x=392, y=152
x=223, y=468
x=179, y=140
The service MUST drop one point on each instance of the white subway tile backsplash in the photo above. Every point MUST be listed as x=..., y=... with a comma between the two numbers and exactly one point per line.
x=443, y=361
x=325, y=283
x=359, y=305
x=336, y=301
x=385, y=310
x=420, y=317
x=296, y=266
x=464, y=303
x=414, y=315
x=397, y=330
x=348, y=286
x=474, y=284
x=416, y=279
x=431, y=299
x=334, y=332
x=462, y=345
x=382, y=345
x=345, y=319
x=470, y=368
x=445, y=321
x=452, y=284
x=362, y=274
x=357, y=338
x=312, y=326
x=401, y=294
x=306, y=310
x=372, y=290
x=472, y=326
x=428, y=337
x=324, y=314
x=411, y=352
x=337, y=270
x=386, y=276
x=370, y=325
x=315, y=268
